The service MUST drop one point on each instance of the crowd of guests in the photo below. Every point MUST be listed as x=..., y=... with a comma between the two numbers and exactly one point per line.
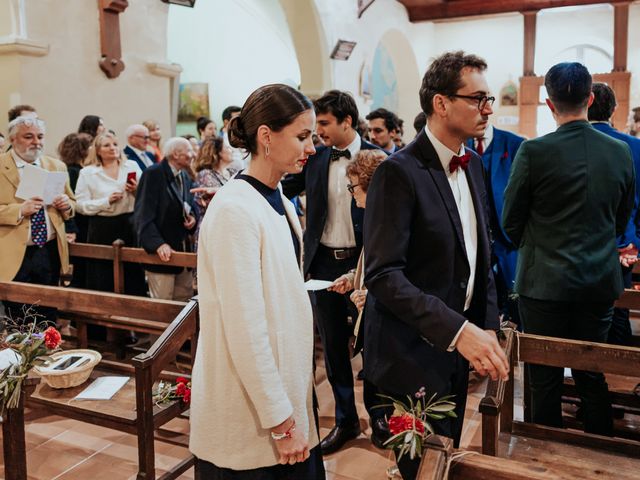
x=464, y=226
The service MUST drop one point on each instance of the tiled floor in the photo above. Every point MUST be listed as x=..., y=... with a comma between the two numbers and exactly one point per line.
x=63, y=449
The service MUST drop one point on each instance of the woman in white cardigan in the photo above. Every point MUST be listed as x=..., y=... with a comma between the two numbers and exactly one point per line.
x=251, y=407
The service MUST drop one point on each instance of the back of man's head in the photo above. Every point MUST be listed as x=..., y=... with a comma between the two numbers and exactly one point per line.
x=568, y=85
x=339, y=104
x=20, y=111
x=228, y=112
x=444, y=76
x=604, y=103
x=391, y=120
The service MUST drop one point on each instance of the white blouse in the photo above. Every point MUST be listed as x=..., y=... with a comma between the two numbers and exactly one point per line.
x=94, y=188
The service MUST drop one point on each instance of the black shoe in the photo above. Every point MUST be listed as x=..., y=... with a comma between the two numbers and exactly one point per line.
x=379, y=432
x=338, y=436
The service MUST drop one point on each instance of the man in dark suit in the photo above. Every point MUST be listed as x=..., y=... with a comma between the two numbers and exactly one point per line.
x=600, y=113
x=431, y=304
x=383, y=129
x=332, y=244
x=498, y=148
x=164, y=219
x=569, y=194
x=137, y=143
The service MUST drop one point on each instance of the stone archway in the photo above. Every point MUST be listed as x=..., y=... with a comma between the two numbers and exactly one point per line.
x=308, y=38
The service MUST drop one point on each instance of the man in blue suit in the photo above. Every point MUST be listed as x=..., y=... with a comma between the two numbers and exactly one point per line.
x=600, y=113
x=497, y=148
x=332, y=245
x=136, y=149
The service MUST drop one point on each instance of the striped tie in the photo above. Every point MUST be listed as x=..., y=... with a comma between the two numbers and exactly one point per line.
x=38, y=228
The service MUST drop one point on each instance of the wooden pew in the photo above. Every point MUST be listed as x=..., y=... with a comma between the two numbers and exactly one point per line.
x=132, y=409
x=499, y=427
x=473, y=465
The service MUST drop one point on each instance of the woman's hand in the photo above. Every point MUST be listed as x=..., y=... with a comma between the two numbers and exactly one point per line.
x=131, y=186
x=358, y=297
x=115, y=197
x=294, y=449
x=342, y=284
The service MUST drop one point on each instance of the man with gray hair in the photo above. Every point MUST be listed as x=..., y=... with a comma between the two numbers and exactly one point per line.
x=137, y=142
x=164, y=219
x=33, y=244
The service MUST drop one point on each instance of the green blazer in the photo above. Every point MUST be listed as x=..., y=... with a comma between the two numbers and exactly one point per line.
x=570, y=193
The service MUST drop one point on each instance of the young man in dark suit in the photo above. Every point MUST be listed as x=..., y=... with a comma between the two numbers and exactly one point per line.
x=332, y=244
x=600, y=113
x=164, y=217
x=431, y=305
x=569, y=195
x=498, y=148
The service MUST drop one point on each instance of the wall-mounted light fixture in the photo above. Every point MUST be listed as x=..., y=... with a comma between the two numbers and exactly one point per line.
x=342, y=50
x=184, y=3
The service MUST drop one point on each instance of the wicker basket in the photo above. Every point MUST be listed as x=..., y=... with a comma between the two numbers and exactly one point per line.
x=69, y=377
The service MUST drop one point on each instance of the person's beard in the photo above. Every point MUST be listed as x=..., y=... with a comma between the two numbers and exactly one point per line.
x=31, y=154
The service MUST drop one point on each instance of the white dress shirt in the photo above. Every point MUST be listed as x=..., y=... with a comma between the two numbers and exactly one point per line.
x=464, y=202
x=142, y=155
x=338, y=229
x=95, y=186
x=20, y=164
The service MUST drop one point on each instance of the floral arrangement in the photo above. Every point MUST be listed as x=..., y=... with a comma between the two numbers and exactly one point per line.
x=409, y=425
x=167, y=392
x=31, y=346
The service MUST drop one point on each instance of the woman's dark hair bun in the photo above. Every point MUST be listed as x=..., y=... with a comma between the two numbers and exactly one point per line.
x=236, y=133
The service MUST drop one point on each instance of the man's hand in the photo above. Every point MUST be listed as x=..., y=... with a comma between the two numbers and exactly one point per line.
x=61, y=202
x=31, y=206
x=71, y=237
x=341, y=285
x=358, y=297
x=628, y=255
x=190, y=222
x=115, y=197
x=164, y=251
x=483, y=351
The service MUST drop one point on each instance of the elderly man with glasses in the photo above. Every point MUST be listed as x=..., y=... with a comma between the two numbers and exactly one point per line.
x=137, y=143
x=33, y=244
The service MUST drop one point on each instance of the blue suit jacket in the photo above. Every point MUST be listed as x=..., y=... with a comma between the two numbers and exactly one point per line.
x=497, y=160
x=632, y=232
x=314, y=179
x=132, y=155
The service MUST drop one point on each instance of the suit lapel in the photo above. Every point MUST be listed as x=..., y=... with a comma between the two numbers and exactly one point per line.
x=434, y=167
x=324, y=173
x=10, y=170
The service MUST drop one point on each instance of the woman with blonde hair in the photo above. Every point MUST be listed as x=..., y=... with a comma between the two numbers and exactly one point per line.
x=155, y=136
x=105, y=193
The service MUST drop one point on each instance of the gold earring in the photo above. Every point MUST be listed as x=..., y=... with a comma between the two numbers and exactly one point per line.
x=266, y=150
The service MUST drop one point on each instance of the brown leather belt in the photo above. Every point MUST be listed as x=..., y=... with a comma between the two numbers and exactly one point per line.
x=340, y=253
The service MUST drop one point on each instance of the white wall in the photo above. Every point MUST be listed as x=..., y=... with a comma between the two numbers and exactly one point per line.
x=234, y=46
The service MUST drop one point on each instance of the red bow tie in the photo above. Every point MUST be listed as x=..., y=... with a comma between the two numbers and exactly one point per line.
x=462, y=162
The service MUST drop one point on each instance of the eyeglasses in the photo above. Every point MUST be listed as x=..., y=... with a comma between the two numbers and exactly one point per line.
x=146, y=137
x=482, y=100
x=352, y=187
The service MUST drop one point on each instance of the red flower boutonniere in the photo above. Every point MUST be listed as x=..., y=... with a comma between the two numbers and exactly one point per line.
x=505, y=155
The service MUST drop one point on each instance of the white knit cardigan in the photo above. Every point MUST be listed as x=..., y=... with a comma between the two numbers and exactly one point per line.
x=253, y=366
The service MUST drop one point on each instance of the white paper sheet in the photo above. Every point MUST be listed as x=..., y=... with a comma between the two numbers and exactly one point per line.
x=313, y=285
x=37, y=182
x=102, y=388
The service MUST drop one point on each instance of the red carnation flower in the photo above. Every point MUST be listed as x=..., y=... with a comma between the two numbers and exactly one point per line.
x=181, y=380
x=181, y=389
x=52, y=338
x=399, y=424
x=186, y=398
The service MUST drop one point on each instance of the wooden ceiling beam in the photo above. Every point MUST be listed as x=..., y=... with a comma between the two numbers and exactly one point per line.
x=425, y=10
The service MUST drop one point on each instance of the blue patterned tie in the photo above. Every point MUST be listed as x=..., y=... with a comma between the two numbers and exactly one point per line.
x=38, y=228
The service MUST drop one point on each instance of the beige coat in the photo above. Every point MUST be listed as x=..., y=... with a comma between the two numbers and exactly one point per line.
x=253, y=368
x=14, y=232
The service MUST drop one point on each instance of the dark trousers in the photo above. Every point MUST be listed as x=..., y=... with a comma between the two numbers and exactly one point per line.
x=620, y=332
x=310, y=469
x=448, y=427
x=588, y=321
x=40, y=265
x=331, y=311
